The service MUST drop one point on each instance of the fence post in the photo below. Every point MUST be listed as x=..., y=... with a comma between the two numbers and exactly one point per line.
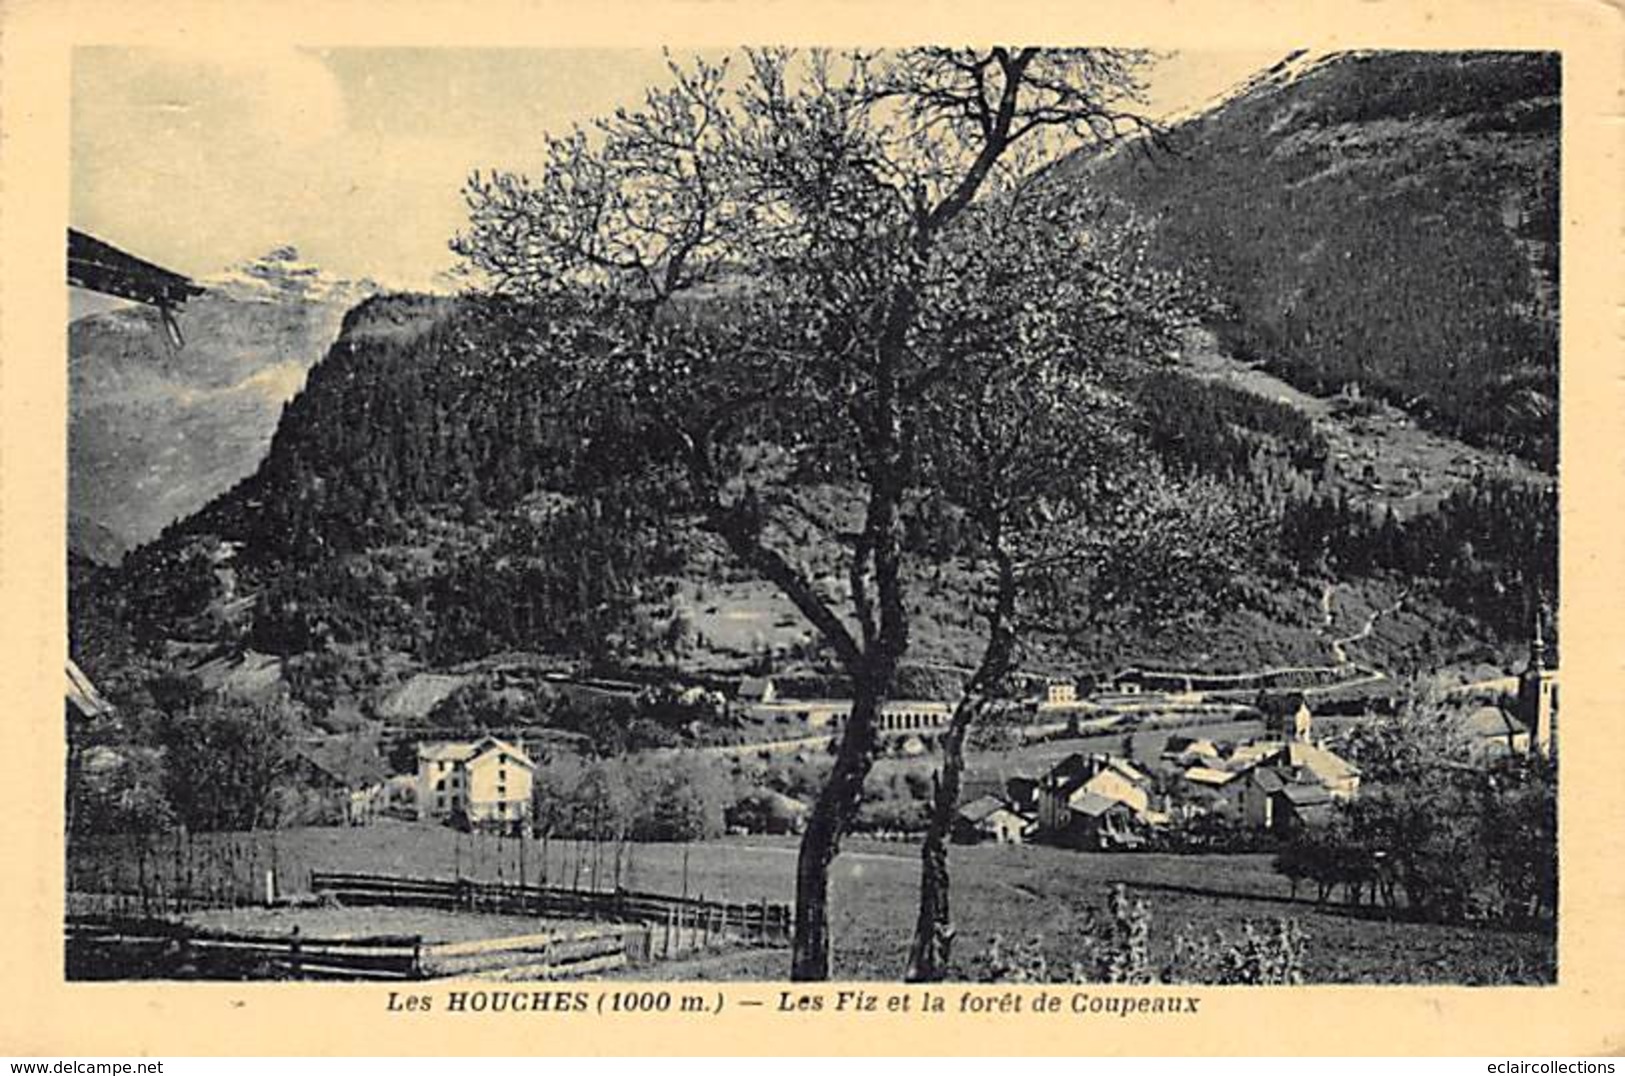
x=762, y=936
x=671, y=914
x=185, y=954
x=295, y=960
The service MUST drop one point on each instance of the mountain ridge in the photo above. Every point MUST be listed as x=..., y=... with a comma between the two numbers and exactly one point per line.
x=155, y=432
x=1375, y=218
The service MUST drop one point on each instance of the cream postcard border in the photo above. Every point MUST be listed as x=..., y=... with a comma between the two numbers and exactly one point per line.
x=40, y=1013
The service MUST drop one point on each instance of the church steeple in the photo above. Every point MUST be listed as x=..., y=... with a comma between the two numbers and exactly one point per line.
x=1537, y=691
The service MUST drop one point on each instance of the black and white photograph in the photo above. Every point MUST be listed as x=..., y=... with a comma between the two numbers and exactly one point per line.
x=1012, y=514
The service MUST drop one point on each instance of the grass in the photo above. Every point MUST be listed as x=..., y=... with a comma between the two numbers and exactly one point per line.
x=1014, y=893
x=331, y=922
x=1051, y=895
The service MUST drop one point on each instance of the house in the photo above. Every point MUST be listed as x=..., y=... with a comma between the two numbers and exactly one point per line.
x=1248, y=755
x=1337, y=776
x=757, y=690
x=1491, y=732
x=1279, y=802
x=989, y=818
x=1301, y=805
x=1099, y=823
x=1207, y=777
x=1190, y=750
x=1114, y=783
x=487, y=781
x=344, y=776
x=821, y=714
x=1078, y=776
x=1061, y=693
x=1260, y=786
x=1128, y=682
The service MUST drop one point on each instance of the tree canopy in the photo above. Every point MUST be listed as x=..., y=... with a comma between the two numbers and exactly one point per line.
x=786, y=283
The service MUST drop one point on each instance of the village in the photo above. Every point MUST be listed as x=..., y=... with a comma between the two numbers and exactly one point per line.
x=1212, y=787
x=1120, y=782
x=1287, y=777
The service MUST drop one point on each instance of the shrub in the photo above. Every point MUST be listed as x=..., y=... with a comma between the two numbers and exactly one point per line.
x=1116, y=948
x=1261, y=954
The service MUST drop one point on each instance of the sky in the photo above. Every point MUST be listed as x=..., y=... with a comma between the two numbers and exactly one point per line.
x=357, y=156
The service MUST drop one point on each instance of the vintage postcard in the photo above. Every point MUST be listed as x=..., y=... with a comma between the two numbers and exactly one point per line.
x=784, y=529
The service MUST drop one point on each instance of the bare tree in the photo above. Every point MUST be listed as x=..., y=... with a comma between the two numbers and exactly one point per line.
x=753, y=267
x=1033, y=443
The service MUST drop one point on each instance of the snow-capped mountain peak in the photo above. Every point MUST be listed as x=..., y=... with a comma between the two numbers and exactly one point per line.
x=281, y=275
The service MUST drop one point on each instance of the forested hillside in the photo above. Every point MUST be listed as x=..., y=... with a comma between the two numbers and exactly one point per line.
x=422, y=498
x=1386, y=219
x=432, y=498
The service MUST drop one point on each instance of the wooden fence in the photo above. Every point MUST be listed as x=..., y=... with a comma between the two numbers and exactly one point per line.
x=554, y=955
x=686, y=922
x=100, y=947
x=108, y=938
x=107, y=947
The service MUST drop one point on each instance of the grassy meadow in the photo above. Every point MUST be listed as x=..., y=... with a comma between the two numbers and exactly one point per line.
x=1014, y=893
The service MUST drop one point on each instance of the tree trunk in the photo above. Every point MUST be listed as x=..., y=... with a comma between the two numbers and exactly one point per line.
x=934, y=930
x=831, y=817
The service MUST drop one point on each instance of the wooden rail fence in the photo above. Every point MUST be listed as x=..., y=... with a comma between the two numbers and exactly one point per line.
x=116, y=942
x=101, y=947
x=127, y=948
x=703, y=921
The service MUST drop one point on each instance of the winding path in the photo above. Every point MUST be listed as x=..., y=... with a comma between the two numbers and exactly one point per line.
x=1338, y=646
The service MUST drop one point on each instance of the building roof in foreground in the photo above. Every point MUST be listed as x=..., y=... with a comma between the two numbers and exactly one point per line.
x=1327, y=768
x=1094, y=806
x=982, y=807
x=469, y=750
x=1206, y=775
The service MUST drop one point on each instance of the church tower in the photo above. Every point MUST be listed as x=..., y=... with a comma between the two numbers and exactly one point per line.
x=1286, y=716
x=1537, y=694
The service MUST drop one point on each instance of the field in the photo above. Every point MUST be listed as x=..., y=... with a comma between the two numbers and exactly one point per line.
x=1014, y=893
x=331, y=922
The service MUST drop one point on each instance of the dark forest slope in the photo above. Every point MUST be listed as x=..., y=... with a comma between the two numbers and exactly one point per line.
x=1389, y=219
